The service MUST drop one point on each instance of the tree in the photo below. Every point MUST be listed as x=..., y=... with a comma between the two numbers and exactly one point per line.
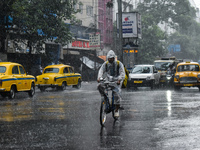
x=177, y=14
x=34, y=22
x=37, y=21
x=190, y=47
x=5, y=21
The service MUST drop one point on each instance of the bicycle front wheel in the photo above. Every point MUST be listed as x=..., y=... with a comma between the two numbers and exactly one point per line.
x=102, y=113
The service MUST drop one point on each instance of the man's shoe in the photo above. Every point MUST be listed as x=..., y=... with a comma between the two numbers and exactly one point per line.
x=116, y=113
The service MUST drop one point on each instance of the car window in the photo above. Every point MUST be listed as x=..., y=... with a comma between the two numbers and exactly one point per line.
x=71, y=70
x=21, y=70
x=2, y=69
x=15, y=70
x=137, y=69
x=188, y=68
x=51, y=70
x=162, y=65
x=66, y=70
x=146, y=70
x=141, y=69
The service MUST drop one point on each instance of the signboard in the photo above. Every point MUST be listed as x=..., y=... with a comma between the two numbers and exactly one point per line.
x=131, y=25
x=174, y=48
x=94, y=39
x=131, y=51
x=78, y=44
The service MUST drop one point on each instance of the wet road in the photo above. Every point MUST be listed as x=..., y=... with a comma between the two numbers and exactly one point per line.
x=62, y=120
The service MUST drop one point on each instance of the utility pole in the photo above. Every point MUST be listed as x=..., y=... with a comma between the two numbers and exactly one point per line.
x=120, y=30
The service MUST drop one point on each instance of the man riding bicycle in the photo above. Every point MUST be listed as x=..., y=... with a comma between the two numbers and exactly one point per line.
x=115, y=69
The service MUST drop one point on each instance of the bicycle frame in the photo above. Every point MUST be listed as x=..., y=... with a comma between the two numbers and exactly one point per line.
x=109, y=104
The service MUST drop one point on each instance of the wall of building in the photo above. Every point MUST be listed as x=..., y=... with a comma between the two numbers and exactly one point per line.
x=105, y=25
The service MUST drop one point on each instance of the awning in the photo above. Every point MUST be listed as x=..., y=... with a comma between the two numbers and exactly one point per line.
x=90, y=63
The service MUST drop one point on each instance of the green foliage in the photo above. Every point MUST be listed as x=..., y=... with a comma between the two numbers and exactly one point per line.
x=47, y=17
x=178, y=15
x=152, y=44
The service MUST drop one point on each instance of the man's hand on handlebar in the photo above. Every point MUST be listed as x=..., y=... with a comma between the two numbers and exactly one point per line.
x=101, y=79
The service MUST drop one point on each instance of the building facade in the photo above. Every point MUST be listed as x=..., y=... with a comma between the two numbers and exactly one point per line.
x=105, y=25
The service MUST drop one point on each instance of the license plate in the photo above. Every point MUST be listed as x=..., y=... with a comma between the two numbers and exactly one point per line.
x=188, y=85
x=137, y=81
x=162, y=80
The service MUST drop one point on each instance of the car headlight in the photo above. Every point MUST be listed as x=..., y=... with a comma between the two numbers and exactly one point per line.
x=168, y=77
x=177, y=77
x=148, y=78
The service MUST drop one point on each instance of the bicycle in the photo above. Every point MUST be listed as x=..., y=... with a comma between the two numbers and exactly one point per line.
x=107, y=101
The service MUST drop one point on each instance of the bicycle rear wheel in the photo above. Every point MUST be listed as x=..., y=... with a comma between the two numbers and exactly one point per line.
x=102, y=113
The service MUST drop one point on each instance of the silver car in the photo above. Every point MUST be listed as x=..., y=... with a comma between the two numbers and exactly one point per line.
x=143, y=76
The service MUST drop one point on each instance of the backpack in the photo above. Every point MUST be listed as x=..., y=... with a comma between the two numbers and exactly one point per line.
x=126, y=74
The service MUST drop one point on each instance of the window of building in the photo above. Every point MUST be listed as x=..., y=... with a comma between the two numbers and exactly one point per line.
x=89, y=10
x=81, y=8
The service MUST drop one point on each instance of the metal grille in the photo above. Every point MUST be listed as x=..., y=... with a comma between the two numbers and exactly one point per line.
x=193, y=79
x=138, y=79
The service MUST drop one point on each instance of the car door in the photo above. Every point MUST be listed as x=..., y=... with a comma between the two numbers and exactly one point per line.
x=67, y=74
x=18, y=79
x=25, y=81
x=72, y=77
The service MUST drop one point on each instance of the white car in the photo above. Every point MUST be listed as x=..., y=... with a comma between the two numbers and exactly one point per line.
x=143, y=76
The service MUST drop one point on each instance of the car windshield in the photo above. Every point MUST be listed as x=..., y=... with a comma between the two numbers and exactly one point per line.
x=2, y=69
x=162, y=65
x=51, y=70
x=188, y=68
x=141, y=69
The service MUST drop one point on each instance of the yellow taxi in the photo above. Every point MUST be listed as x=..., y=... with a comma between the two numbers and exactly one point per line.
x=13, y=78
x=58, y=76
x=187, y=75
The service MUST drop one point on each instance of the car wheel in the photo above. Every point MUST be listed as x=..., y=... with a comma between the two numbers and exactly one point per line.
x=128, y=86
x=11, y=94
x=176, y=88
x=63, y=87
x=78, y=86
x=42, y=89
x=153, y=85
x=32, y=90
